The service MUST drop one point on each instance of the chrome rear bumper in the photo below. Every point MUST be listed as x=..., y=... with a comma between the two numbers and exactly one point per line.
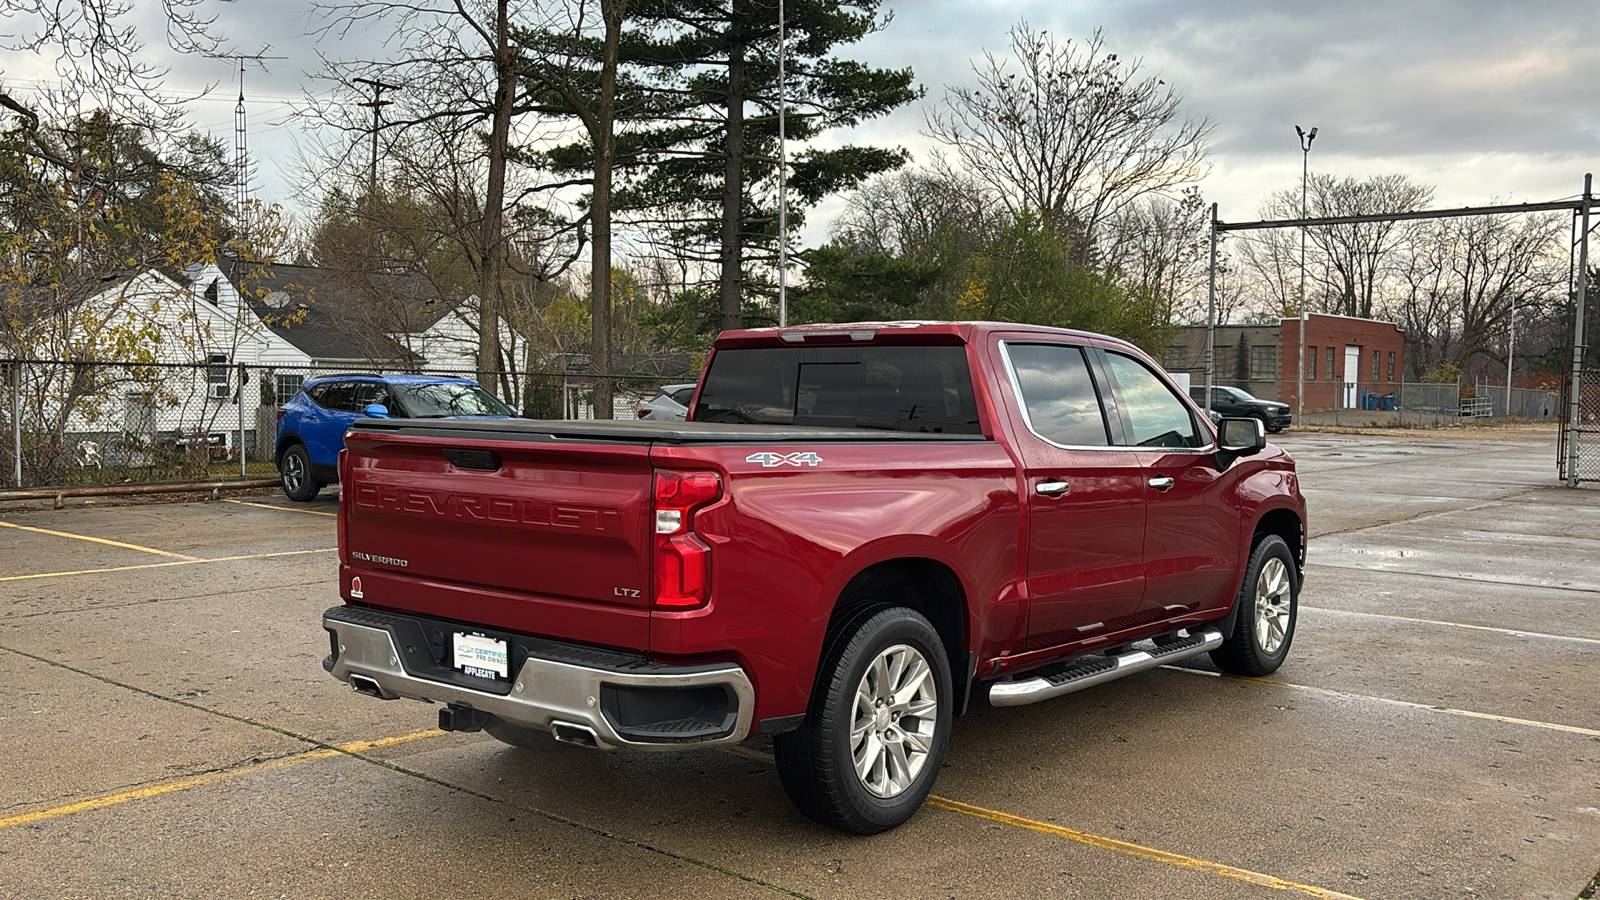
x=544, y=694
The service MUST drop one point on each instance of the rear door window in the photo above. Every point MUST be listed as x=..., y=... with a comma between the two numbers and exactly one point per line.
x=1059, y=398
x=913, y=388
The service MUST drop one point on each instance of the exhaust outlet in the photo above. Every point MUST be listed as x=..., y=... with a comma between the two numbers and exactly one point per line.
x=570, y=733
x=361, y=684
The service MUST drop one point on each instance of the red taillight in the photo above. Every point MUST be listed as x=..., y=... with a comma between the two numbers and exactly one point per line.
x=281, y=411
x=683, y=561
x=643, y=412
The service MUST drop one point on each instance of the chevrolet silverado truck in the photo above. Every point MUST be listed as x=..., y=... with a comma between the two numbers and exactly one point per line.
x=859, y=529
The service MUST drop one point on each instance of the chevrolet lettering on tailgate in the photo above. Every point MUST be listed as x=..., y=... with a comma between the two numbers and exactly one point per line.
x=485, y=508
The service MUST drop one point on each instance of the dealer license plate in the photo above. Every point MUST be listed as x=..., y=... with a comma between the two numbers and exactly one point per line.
x=481, y=656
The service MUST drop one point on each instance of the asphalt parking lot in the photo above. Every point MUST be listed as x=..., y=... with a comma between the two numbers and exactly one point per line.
x=166, y=730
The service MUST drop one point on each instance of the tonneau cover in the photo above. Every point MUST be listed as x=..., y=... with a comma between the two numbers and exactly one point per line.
x=647, y=431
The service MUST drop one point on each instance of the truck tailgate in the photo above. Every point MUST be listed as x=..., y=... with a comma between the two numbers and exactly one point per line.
x=537, y=536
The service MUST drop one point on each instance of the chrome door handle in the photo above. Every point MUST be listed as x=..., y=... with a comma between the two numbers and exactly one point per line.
x=1052, y=488
x=1163, y=482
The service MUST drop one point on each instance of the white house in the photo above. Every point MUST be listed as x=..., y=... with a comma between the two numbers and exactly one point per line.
x=208, y=354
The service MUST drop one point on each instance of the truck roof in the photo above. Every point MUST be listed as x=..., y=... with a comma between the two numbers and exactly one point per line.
x=962, y=332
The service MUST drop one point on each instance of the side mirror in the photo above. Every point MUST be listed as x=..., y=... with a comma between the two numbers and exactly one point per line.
x=376, y=411
x=1239, y=437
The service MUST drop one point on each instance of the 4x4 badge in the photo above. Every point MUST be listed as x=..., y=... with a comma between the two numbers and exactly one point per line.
x=769, y=459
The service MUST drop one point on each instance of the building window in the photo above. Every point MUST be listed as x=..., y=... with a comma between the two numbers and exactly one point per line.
x=1311, y=364
x=1330, y=364
x=1263, y=363
x=217, y=375
x=286, y=386
x=1176, y=357
x=1391, y=365
x=1375, y=357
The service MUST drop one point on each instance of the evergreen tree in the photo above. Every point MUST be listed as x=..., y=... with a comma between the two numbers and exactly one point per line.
x=697, y=107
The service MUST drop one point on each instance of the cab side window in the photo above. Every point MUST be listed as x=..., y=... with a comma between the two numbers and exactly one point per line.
x=1158, y=417
x=1058, y=395
x=335, y=395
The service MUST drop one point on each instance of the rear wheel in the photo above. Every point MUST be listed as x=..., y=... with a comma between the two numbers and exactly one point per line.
x=1269, y=601
x=294, y=472
x=875, y=736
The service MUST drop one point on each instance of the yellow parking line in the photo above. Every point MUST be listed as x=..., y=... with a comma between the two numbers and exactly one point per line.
x=1514, y=632
x=186, y=562
x=181, y=784
x=1406, y=704
x=81, y=537
x=309, y=512
x=1139, y=850
x=1104, y=843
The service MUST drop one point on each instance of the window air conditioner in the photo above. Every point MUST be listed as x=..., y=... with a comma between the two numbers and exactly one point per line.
x=220, y=392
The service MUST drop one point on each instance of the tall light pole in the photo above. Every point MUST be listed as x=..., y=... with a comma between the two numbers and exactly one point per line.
x=1305, y=168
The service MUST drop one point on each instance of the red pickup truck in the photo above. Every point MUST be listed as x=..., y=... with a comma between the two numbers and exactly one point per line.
x=859, y=528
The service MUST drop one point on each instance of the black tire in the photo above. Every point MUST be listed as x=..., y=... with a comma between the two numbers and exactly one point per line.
x=294, y=473
x=1269, y=605
x=817, y=763
x=521, y=736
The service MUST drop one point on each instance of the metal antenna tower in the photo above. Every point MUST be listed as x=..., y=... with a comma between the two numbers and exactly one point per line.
x=241, y=150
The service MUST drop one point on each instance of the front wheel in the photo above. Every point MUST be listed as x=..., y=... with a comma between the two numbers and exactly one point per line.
x=1269, y=602
x=294, y=472
x=875, y=736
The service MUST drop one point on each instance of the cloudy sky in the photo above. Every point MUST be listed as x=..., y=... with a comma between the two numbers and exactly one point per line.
x=1485, y=101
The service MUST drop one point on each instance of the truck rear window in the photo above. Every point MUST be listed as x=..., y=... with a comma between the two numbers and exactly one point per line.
x=889, y=388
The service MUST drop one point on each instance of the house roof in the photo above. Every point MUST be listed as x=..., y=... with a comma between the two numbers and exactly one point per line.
x=333, y=314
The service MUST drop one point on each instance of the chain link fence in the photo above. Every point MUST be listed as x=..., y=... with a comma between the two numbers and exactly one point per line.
x=71, y=424
x=1587, y=434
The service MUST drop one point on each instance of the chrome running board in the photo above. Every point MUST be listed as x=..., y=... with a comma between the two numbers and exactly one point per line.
x=1093, y=670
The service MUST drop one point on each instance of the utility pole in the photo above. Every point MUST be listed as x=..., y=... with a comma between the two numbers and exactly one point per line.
x=1575, y=417
x=1211, y=313
x=1300, y=365
x=376, y=104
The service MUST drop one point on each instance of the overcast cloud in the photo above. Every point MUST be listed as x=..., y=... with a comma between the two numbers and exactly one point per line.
x=1485, y=101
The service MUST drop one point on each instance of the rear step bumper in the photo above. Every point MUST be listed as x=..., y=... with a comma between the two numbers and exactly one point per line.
x=615, y=697
x=1095, y=670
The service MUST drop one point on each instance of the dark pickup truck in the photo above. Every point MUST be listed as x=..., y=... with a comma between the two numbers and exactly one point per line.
x=859, y=529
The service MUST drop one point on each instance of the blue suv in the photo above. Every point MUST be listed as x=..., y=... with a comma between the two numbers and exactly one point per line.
x=311, y=426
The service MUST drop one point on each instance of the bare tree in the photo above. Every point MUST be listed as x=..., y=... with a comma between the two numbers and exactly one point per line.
x=568, y=83
x=459, y=67
x=1074, y=136
x=1466, y=278
x=1159, y=248
x=1352, y=261
x=923, y=213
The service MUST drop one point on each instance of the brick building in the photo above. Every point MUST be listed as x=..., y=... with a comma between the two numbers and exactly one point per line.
x=1346, y=359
